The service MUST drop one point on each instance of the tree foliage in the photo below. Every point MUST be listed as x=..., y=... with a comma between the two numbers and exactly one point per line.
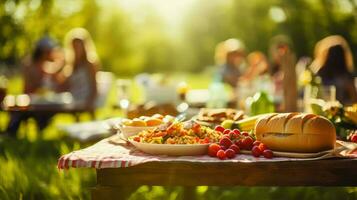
x=132, y=42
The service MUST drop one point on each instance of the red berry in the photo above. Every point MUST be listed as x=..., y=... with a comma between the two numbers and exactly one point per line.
x=245, y=133
x=262, y=147
x=223, y=147
x=256, y=143
x=213, y=149
x=354, y=138
x=240, y=144
x=221, y=154
x=235, y=148
x=230, y=153
x=227, y=131
x=248, y=143
x=236, y=131
x=219, y=128
x=256, y=151
x=268, y=153
x=225, y=142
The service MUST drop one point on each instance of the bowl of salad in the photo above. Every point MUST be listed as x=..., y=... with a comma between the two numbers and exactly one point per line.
x=176, y=139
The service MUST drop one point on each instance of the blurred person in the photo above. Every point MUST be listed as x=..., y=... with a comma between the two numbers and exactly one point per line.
x=40, y=71
x=36, y=80
x=230, y=56
x=282, y=70
x=81, y=67
x=333, y=62
x=257, y=65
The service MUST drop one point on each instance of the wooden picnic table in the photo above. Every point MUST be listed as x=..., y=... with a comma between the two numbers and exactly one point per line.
x=121, y=168
x=120, y=182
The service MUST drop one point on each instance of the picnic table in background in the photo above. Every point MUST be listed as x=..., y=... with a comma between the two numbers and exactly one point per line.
x=51, y=103
x=90, y=131
x=32, y=110
x=121, y=168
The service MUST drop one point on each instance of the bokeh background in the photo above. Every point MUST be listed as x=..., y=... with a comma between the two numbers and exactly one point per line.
x=155, y=36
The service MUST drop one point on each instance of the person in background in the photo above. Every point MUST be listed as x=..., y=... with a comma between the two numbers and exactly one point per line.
x=282, y=71
x=39, y=72
x=230, y=56
x=81, y=67
x=257, y=65
x=333, y=62
x=36, y=81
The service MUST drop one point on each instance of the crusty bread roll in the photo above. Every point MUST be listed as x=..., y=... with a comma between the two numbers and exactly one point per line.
x=296, y=132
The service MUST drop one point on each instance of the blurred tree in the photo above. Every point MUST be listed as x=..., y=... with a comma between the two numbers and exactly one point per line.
x=132, y=42
x=22, y=22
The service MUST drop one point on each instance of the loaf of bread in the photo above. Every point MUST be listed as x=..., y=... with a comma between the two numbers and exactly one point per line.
x=296, y=132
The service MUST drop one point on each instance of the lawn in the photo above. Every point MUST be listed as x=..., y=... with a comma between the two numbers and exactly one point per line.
x=28, y=165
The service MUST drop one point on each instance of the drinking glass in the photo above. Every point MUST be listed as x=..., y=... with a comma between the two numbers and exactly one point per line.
x=315, y=94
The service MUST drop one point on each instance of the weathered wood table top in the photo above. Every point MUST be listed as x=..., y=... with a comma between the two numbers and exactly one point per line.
x=117, y=182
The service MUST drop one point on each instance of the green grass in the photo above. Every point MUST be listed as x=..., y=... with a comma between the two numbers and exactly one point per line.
x=28, y=165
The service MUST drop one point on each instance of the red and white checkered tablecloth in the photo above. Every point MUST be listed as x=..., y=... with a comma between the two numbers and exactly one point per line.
x=115, y=153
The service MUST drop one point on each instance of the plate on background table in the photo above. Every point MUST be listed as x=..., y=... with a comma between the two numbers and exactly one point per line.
x=171, y=149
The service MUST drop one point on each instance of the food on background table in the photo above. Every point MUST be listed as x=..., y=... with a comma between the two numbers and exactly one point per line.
x=246, y=124
x=144, y=121
x=233, y=141
x=218, y=115
x=178, y=133
x=296, y=132
x=151, y=108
